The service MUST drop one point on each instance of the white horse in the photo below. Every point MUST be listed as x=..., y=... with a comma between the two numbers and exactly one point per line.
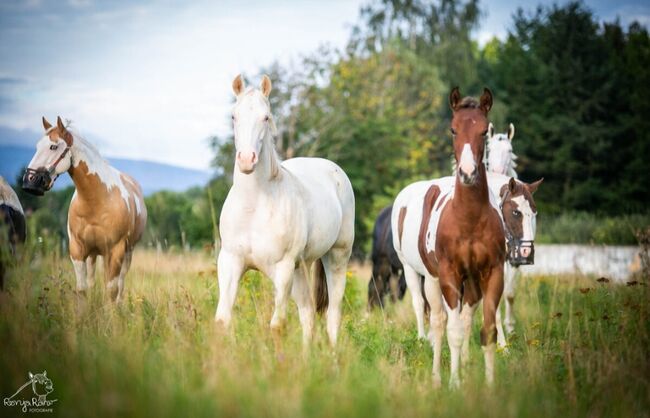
x=499, y=157
x=281, y=218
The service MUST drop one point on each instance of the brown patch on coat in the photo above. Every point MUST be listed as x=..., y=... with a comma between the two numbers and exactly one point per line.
x=100, y=223
x=400, y=223
x=428, y=258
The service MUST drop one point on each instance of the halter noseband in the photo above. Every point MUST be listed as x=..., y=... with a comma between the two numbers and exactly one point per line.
x=38, y=181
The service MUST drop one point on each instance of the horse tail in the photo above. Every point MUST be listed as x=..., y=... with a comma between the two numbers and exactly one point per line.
x=320, y=287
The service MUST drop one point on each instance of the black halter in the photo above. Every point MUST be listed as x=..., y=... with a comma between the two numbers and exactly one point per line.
x=38, y=181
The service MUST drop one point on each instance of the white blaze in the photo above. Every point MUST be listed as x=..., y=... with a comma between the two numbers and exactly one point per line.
x=529, y=221
x=467, y=163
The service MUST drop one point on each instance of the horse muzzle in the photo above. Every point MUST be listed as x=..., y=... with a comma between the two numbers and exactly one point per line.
x=520, y=252
x=37, y=182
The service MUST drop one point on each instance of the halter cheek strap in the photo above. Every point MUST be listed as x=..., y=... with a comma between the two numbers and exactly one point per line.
x=52, y=168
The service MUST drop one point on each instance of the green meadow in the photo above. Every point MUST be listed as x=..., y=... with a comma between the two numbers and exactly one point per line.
x=580, y=349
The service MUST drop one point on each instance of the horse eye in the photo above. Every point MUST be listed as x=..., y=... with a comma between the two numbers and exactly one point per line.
x=516, y=213
x=453, y=131
x=484, y=133
x=53, y=147
x=232, y=117
x=266, y=118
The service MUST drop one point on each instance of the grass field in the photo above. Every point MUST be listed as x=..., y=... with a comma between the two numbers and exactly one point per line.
x=577, y=352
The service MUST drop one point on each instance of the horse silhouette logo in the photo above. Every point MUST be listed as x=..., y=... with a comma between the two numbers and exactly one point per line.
x=41, y=387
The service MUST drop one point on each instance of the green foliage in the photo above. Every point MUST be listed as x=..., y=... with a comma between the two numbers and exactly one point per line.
x=587, y=228
x=575, y=90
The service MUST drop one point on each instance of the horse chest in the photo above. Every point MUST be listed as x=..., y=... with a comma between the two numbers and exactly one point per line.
x=260, y=230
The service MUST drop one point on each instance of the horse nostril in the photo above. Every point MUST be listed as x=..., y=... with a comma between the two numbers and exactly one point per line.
x=254, y=157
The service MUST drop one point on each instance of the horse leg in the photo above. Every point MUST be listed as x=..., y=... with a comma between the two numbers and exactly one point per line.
x=413, y=283
x=126, y=265
x=509, y=291
x=230, y=268
x=282, y=279
x=467, y=314
x=492, y=289
x=114, y=263
x=437, y=322
x=335, y=263
x=450, y=284
x=78, y=258
x=502, y=343
x=302, y=296
x=90, y=270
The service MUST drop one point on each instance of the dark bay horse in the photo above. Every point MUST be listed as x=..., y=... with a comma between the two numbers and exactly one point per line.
x=455, y=239
x=387, y=271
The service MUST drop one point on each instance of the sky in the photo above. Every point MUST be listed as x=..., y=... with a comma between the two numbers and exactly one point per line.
x=152, y=79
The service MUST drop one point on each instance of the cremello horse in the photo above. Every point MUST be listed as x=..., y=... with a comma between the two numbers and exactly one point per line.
x=281, y=218
x=499, y=157
x=107, y=214
x=450, y=231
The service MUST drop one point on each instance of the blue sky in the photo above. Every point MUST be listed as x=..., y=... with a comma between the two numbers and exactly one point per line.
x=151, y=79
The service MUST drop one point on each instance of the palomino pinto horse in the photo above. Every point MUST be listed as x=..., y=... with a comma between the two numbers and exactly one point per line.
x=456, y=239
x=107, y=214
x=12, y=226
x=387, y=270
x=281, y=218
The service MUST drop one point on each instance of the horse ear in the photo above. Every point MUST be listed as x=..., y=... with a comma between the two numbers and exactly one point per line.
x=532, y=187
x=266, y=86
x=454, y=98
x=45, y=373
x=46, y=125
x=511, y=131
x=31, y=376
x=490, y=131
x=63, y=132
x=512, y=185
x=486, y=100
x=238, y=85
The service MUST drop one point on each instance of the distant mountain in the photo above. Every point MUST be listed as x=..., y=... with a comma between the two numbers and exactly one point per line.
x=152, y=176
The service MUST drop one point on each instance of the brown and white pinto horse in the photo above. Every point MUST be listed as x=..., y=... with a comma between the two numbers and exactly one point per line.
x=455, y=239
x=107, y=214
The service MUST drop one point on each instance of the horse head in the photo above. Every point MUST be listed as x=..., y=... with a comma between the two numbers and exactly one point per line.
x=500, y=158
x=469, y=127
x=41, y=384
x=252, y=122
x=51, y=159
x=520, y=218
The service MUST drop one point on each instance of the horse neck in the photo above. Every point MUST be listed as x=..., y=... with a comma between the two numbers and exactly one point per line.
x=86, y=162
x=469, y=202
x=266, y=174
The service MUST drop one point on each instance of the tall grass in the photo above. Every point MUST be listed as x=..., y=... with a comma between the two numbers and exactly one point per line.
x=577, y=352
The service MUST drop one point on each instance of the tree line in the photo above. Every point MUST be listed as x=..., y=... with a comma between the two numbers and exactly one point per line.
x=576, y=89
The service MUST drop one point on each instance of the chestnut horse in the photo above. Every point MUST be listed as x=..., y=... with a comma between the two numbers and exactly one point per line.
x=456, y=239
x=282, y=218
x=107, y=214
